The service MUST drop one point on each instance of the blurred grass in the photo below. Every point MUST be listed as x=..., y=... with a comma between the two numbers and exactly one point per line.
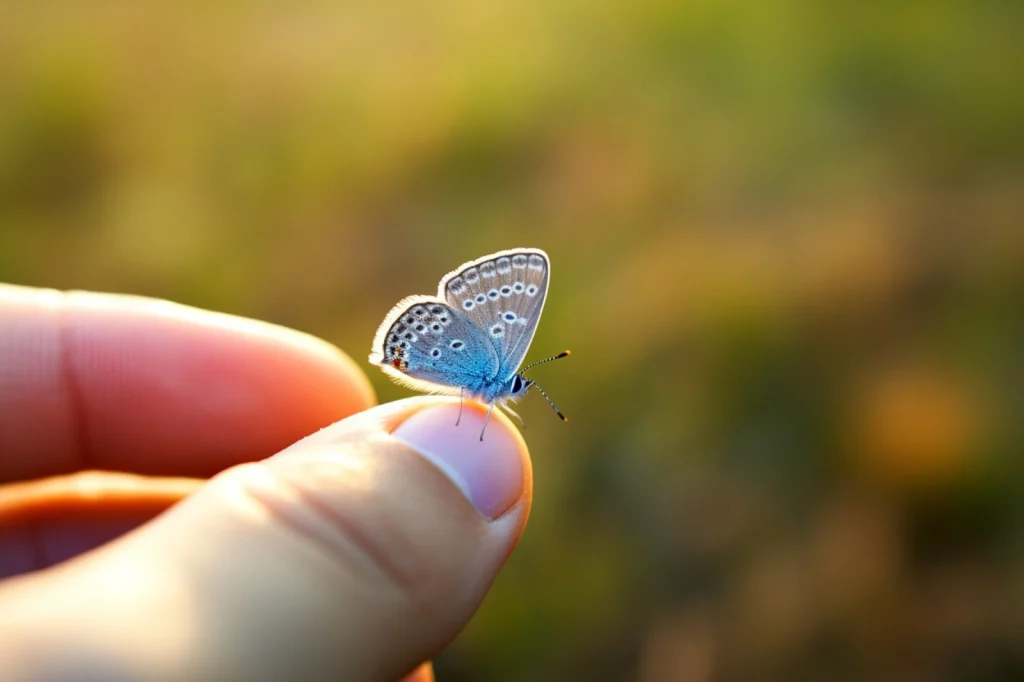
x=787, y=255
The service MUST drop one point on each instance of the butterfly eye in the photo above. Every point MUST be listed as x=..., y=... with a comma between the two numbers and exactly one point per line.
x=456, y=345
x=510, y=316
x=435, y=353
x=481, y=298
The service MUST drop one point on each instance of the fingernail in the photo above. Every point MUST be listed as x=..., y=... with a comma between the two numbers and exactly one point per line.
x=488, y=472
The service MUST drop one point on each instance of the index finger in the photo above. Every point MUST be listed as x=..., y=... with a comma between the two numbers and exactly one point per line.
x=103, y=381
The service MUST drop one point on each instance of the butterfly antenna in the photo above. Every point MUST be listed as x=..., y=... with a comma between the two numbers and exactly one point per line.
x=543, y=393
x=563, y=354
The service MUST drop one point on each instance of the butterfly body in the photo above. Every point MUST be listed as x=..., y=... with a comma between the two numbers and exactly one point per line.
x=470, y=339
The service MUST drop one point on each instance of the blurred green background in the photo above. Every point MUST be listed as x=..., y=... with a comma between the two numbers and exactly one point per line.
x=788, y=256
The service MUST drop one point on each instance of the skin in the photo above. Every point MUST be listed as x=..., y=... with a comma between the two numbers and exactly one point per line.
x=354, y=553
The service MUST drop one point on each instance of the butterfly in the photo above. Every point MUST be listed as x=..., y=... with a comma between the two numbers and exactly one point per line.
x=472, y=337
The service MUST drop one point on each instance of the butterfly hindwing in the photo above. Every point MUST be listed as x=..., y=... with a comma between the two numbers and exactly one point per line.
x=503, y=294
x=429, y=345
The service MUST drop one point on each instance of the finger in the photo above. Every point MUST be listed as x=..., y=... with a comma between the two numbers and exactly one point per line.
x=424, y=673
x=103, y=381
x=357, y=553
x=46, y=521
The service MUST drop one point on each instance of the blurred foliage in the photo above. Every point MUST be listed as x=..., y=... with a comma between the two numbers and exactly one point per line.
x=788, y=256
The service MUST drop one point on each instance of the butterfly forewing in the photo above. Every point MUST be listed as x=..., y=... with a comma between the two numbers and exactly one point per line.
x=502, y=294
x=427, y=344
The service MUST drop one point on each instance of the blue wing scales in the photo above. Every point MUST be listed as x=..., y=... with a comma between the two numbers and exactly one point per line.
x=426, y=344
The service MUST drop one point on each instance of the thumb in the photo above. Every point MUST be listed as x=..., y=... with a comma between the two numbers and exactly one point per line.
x=356, y=554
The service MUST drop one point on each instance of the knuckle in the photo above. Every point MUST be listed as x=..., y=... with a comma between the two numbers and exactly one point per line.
x=362, y=531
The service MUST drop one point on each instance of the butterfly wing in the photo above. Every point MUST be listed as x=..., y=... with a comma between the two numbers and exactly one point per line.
x=427, y=345
x=503, y=294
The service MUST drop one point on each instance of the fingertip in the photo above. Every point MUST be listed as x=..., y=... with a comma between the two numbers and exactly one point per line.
x=494, y=474
x=487, y=459
x=150, y=386
x=353, y=381
x=114, y=316
x=166, y=379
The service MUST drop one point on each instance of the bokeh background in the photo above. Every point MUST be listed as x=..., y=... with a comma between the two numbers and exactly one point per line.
x=788, y=255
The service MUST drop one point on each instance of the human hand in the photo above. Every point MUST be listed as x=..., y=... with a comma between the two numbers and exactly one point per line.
x=348, y=555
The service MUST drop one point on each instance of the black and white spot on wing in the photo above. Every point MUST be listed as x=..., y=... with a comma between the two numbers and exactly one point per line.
x=513, y=281
x=428, y=345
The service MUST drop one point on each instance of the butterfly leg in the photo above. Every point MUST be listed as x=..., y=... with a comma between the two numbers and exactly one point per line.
x=462, y=391
x=486, y=420
x=513, y=413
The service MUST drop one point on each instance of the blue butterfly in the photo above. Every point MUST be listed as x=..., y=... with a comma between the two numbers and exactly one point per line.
x=471, y=338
